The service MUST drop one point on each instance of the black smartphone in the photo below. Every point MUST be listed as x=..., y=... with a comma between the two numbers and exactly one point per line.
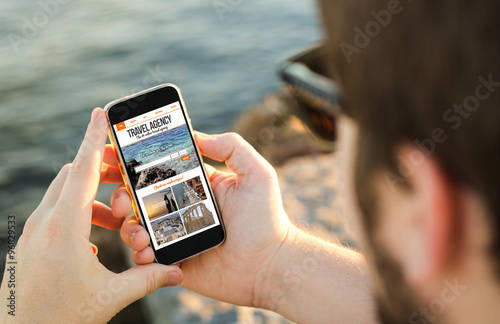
x=164, y=173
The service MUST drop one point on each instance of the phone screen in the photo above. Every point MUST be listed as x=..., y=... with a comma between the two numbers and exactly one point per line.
x=166, y=174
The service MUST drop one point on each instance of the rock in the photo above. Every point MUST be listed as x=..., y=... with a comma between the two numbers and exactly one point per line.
x=272, y=128
x=146, y=177
x=134, y=177
x=152, y=175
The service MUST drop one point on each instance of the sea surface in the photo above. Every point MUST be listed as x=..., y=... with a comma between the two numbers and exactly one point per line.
x=58, y=63
x=172, y=141
x=168, y=142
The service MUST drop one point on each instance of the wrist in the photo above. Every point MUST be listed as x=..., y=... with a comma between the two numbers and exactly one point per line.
x=271, y=289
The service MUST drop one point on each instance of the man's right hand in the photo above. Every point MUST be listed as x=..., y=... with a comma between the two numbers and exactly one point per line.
x=256, y=225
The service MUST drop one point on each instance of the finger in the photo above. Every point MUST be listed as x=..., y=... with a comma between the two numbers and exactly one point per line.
x=109, y=156
x=142, y=280
x=134, y=235
x=210, y=170
x=216, y=177
x=94, y=247
x=102, y=216
x=54, y=191
x=239, y=156
x=110, y=174
x=81, y=185
x=121, y=204
x=143, y=257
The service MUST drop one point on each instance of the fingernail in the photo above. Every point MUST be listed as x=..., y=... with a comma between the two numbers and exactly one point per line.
x=173, y=279
x=95, y=113
x=132, y=237
x=94, y=248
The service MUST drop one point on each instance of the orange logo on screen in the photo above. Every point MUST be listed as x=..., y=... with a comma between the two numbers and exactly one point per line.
x=120, y=126
x=185, y=157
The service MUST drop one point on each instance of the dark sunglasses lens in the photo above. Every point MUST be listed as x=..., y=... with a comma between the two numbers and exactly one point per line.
x=319, y=122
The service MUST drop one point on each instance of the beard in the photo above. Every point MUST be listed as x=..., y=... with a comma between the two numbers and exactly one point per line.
x=395, y=300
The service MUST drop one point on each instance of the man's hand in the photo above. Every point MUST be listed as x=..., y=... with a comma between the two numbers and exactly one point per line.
x=256, y=224
x=58, y=277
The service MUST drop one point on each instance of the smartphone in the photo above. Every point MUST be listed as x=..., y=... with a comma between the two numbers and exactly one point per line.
x=164, y=173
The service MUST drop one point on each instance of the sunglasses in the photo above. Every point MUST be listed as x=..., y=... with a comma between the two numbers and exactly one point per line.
x=317, y=97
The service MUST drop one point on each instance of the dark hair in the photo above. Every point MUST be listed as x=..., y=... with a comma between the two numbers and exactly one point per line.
x=425, y=72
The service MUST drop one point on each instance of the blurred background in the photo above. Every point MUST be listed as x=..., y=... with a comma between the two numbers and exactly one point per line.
x=61, y=58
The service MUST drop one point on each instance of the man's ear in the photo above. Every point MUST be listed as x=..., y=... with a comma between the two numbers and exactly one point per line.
x=423, y=215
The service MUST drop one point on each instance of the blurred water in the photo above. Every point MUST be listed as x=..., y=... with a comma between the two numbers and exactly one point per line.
x=91, y=52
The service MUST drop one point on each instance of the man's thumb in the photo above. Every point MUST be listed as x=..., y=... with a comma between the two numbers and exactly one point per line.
x=142, y=280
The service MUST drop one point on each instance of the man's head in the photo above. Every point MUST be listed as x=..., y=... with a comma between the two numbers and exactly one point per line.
x=421, y=80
